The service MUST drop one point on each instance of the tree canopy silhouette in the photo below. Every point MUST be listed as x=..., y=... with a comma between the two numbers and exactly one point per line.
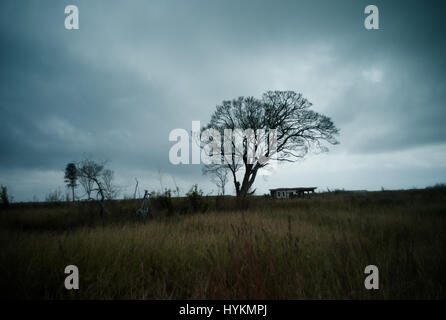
x=299, y=130
x=71, y=177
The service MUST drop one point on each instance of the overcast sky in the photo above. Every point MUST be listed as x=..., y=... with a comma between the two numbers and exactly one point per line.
x=135, y=70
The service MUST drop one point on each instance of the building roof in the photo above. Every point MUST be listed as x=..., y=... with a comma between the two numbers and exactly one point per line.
x=297, y=188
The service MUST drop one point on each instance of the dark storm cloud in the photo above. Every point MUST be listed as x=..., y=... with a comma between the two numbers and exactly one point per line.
x=56, y=105
x=136, y=70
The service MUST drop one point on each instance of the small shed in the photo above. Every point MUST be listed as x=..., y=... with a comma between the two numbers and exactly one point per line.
x=298, y=192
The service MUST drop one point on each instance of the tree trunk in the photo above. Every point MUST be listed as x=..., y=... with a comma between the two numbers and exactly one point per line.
x=248, y=180
x=236, y=184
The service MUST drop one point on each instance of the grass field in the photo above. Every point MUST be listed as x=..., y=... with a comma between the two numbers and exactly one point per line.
x=274, y=249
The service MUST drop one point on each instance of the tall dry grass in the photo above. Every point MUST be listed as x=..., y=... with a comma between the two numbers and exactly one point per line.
x=290, y=249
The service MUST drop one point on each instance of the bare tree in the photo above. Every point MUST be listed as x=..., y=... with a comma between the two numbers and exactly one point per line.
x=99, y=178
x=89, y=173
x=136, y=188
x=87, y=185
x=298, y=129
x=111, y=191
x=219, y=176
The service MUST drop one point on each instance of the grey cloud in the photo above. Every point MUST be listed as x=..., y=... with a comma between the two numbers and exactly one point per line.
x=134, y=71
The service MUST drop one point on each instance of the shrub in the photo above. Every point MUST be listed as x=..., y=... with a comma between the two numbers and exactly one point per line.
x=163, y=200
x=196, y=200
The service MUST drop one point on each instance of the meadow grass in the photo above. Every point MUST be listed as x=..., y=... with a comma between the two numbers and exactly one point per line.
x=276, y=249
